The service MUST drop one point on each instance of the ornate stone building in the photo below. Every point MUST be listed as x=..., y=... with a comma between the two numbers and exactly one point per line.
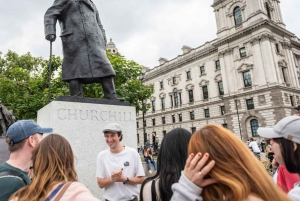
x=111, y=47
x=248, y=76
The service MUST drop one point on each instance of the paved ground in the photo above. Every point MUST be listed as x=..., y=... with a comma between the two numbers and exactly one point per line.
x=4, y=153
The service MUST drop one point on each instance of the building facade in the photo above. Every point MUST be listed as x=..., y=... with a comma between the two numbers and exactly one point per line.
x=247, y=77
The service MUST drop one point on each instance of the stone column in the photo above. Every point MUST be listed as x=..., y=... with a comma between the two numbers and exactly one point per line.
x=293, y=77
x=259, y=70
x=267, y=58
x=224, y=74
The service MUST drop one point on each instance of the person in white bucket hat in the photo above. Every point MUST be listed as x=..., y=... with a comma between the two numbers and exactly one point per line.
x=285, y=142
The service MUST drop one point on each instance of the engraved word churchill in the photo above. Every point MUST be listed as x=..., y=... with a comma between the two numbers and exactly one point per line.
x=94, y=115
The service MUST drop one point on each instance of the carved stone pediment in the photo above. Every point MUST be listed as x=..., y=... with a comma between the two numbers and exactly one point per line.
x=218, y=78
x=152, y=98
x=203, y=83
x=189, y=86
x=244, y=67
x=162, y=95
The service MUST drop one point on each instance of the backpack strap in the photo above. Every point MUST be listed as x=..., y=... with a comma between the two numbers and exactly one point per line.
x=153, y=191
x=62, y=191
x=5, y=174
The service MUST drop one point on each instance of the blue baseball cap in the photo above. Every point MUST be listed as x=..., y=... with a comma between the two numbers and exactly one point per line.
x=23, y=129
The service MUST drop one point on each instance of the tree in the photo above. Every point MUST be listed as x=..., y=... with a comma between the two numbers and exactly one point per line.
x=24, y=86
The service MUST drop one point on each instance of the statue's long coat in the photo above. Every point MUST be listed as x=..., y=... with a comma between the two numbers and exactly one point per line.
x=83, y=39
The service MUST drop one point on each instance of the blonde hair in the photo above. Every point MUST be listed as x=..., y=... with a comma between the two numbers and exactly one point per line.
x=53, y=163
x=237, y=172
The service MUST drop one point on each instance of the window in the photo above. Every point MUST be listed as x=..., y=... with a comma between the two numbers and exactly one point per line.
x=225, y=125
x=173, y=118
x=180, y=117
x=188, y=75
x=243, y=52
x=205, y=92
x=202, y=70
x=193, y=129
x=137, y=124
x=254, y=127
x=221, y=89
x=138, y=138
x=161, y=84
x=171, y=97
x=223, y=111
x=174, y=80
x=247, y=79
x=192, y=115
x=163, y=104
x=153, y=105
x=250, y=104
x=180, y=98
x=176, y=98
x=277, y=47
x=164, y=133
x=206, y=113
x=284, y=74
x=163, y=119
x=153, y=122
x=292, y=100
x=191, y=96
x=268, y=10
x=218, y=66
x=238, y=19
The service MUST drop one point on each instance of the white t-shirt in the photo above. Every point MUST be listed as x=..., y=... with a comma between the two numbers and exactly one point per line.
x=254, y=146
x=130, y=161
x=294, y=194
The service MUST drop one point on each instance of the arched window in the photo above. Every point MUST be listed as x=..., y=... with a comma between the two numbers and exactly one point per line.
x=254, y=127
x=238, y=19
x=268, y=10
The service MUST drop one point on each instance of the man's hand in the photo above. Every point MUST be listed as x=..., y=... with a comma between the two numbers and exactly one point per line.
x=195, y=169
x=51, y=37
x=118, y=176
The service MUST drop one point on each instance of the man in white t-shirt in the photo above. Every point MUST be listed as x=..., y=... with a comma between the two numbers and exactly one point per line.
x=119, y=168
x=254, y=146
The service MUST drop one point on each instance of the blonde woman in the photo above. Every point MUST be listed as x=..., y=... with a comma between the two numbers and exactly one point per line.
x=53, y=174
x=221, y=167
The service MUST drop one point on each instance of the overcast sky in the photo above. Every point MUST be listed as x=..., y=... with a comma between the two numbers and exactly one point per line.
x=143, y=31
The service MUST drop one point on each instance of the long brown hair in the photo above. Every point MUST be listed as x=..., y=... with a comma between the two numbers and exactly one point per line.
x=53, y=163
x=237, y=172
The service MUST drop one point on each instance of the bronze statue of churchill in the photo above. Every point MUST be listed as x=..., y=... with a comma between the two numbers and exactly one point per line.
x=84, y=42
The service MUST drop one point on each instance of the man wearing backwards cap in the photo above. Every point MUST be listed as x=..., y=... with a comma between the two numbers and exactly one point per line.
x=119, y=168
x=22, y=138
x=285, y=142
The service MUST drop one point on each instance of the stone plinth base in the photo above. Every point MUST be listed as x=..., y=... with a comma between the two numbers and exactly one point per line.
x=82, y=124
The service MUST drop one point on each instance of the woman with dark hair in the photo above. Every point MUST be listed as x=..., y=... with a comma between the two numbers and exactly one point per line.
x=171, y=160
x=54, y=175
x=285, y=143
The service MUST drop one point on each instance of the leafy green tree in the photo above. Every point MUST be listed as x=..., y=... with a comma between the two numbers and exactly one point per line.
x=24, y=85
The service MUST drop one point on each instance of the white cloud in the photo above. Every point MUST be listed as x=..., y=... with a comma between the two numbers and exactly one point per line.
x=143, y=31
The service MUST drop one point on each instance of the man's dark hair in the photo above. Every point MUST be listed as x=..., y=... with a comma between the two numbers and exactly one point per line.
x=170, y=161
x=251, y=139
x=120, y=134
x=290, y=156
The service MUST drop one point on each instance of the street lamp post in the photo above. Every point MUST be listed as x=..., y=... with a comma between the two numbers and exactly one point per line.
x=141, y=77
x=237, y=112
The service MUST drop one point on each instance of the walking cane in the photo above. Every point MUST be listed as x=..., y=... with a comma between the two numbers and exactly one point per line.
x=50, y=72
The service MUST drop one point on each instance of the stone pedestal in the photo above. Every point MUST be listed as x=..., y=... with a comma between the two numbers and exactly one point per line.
x=82, y=124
